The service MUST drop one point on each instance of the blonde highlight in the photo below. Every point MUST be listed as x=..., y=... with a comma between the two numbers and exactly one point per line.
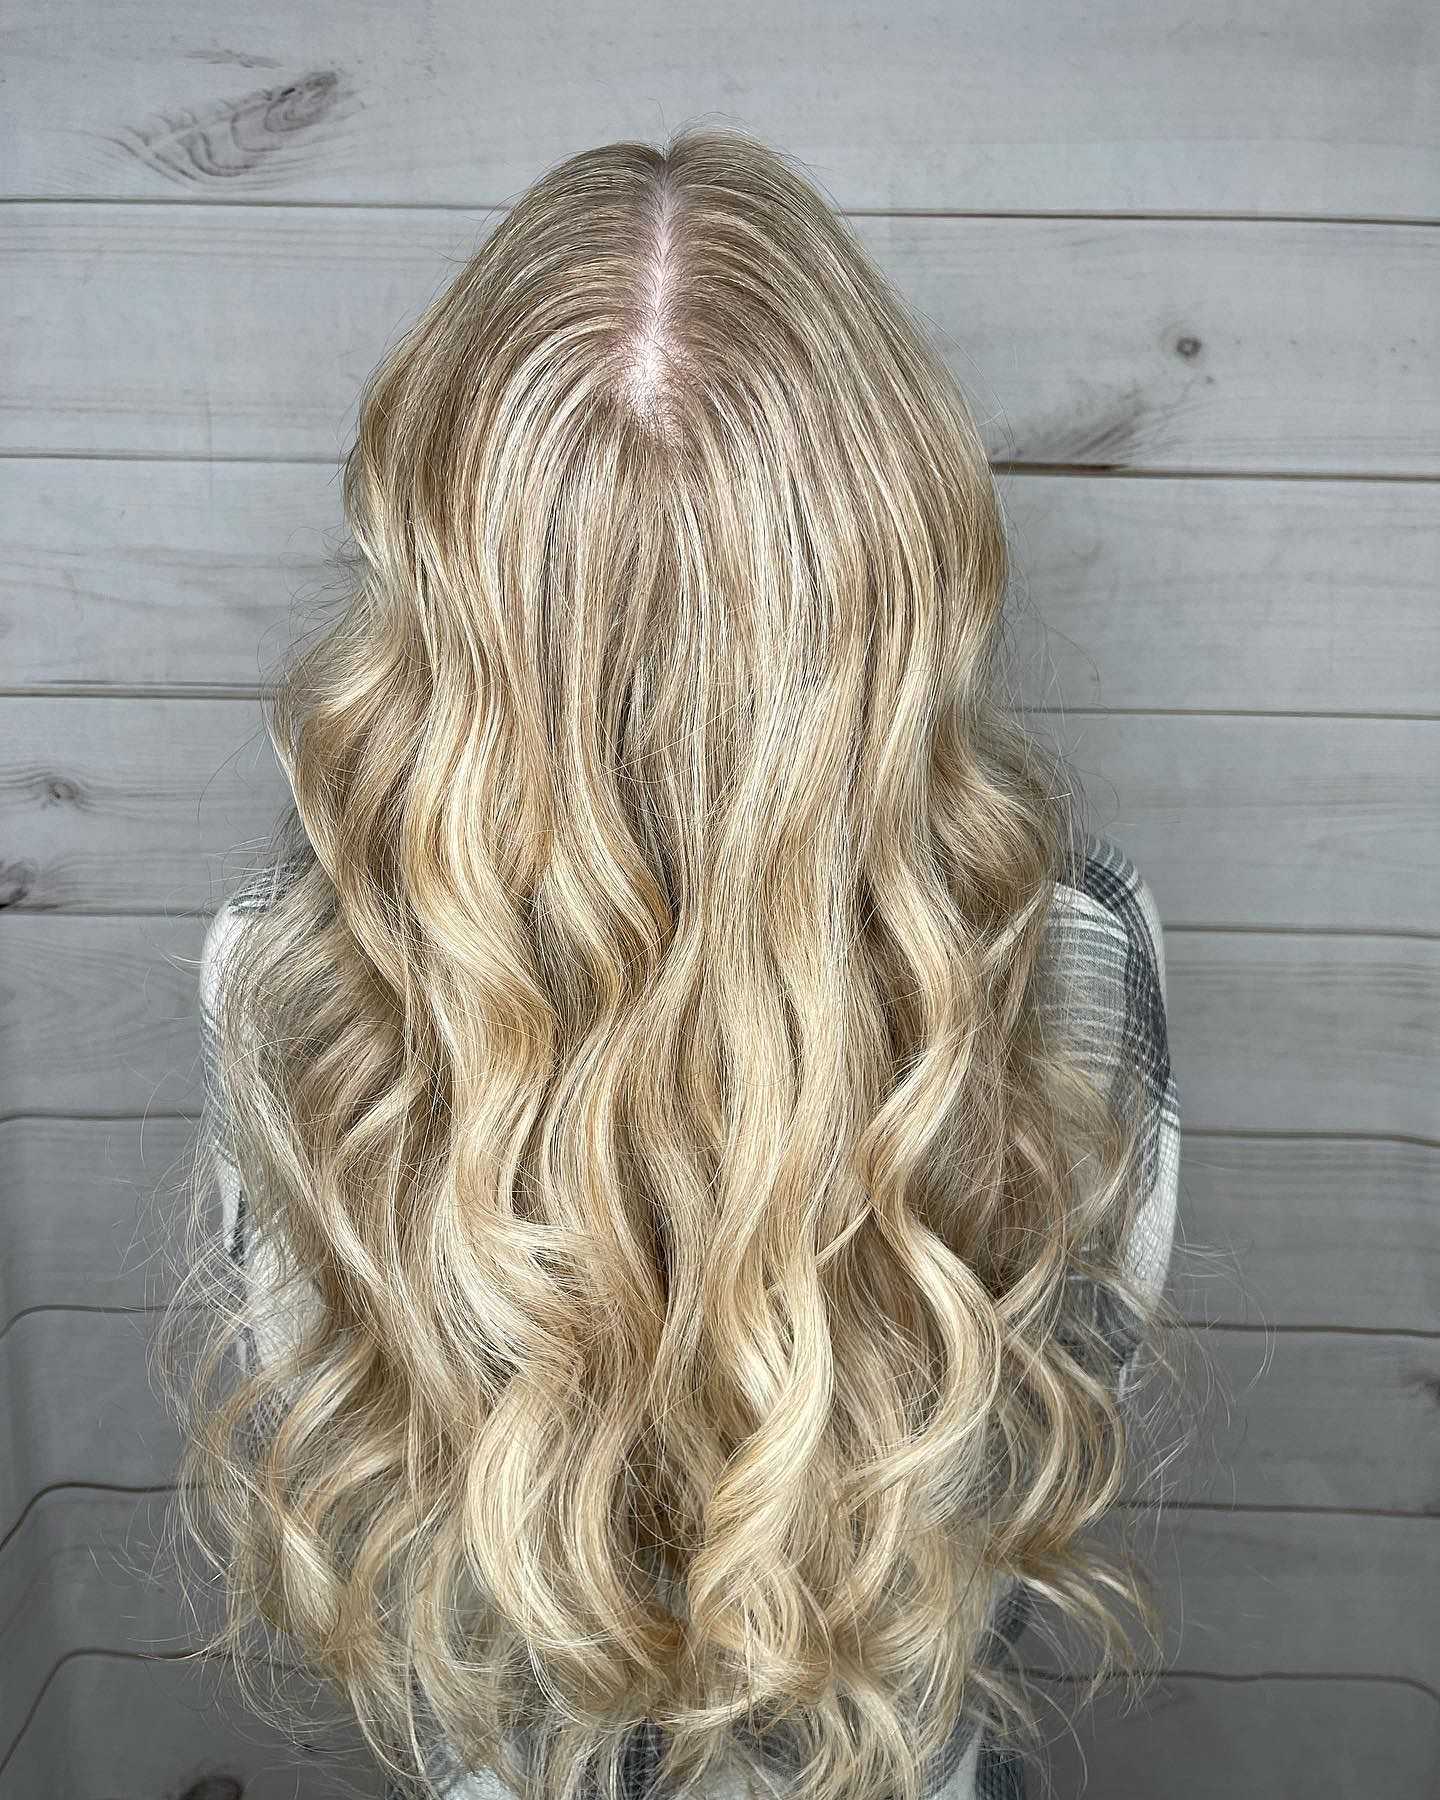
x=642, y=1061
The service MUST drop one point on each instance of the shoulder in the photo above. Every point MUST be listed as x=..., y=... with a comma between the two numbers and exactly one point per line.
x=1106, y=967
x=255, y=894
x=1104, y=916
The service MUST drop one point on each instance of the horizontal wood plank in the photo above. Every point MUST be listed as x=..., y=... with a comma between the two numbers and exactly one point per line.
x=99, y=1015
x=1310, y=823
x=1165, y=593
x=157, y=574
x=1271, y=1031
x=1196, y=1737
x=1268, y=596
x=130, y=804
x=1266, y=1236
x=1244, y=1595
x=1250, y=1594
x=105, y=1570
x=120, y=1728
x=77, y=1406
x=1268, y=1030
x=93, y=1212
x=1286, y=1419
x=1165, y=344
x=1312, y=1418
x=1118, y=107
x=1309, y=1231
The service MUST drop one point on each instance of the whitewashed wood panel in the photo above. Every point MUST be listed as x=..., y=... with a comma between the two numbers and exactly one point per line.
x=92, y=1215
x=77, y=1407
x=119, y=1728
x=99, y=1015
x=1288, y=1419
x=1321, y=1595
x=1272, y=1031
x=1269, y=1031
x=1175, y=346
x=102, y=1570
x=1309, y=1231
x=1197, y=1738
x=135, y=574
x=130, y=804
x=1120, y=106
x=1256, y=1593
x=1306, y=822
x=1267, y=1233
x=1163, y=344
x=1271, y=595
x=1315, y=1418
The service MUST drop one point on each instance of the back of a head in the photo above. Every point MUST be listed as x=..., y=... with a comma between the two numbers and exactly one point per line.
x=641, y=1060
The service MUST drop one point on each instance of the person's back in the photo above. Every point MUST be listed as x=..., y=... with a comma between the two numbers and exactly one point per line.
x=692, y=1106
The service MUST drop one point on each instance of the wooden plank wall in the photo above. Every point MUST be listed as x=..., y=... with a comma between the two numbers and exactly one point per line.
x=1187, y=267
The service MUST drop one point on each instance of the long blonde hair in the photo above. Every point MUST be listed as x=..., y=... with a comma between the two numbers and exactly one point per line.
x=641, y=1059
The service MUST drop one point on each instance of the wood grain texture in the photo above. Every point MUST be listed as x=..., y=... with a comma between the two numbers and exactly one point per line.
x=133, y=804
x=99, y=1016
x=1164, y=593
x=1117, y=107
x=153, y=803
x=1276, y=596
x=1267, y=1232
x=121, y=1728
x=92, y=1213
x=1160, y=344
x=158, y=574
x=1284, y=1231
x=97, y=1569
x=1309, y=823
x=1194, y=1738
x=1285, y=1032
x=1316, y=1419
x=77, y=1407
x=1252, y=1593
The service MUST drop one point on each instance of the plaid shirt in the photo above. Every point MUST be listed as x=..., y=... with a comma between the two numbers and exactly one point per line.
x=1106, y=949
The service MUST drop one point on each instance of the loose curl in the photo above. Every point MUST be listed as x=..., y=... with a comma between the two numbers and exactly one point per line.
x=640, y=1064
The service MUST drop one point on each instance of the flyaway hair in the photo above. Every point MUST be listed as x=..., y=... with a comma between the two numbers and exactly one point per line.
x=642, y=1062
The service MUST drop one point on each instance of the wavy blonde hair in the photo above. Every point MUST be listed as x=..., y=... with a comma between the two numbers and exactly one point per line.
x=641, y=1060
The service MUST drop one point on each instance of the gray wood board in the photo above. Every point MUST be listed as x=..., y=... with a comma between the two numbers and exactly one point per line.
x=1158, y=344
x=1312, y=823
x=1118, y=107
x=1267, y=1234
x=1167, y=592
x=122, y=1728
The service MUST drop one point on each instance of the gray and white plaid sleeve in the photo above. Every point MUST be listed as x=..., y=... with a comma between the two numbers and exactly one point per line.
x=276, y=1310
x=1108, y=956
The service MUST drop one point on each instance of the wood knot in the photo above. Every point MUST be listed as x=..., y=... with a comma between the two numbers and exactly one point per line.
x=215, y=1787
x=17, y=880
x=231, y=140
x=60, y=790
x=300, y=104
x=1429, y=1384
x=1188, y=347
